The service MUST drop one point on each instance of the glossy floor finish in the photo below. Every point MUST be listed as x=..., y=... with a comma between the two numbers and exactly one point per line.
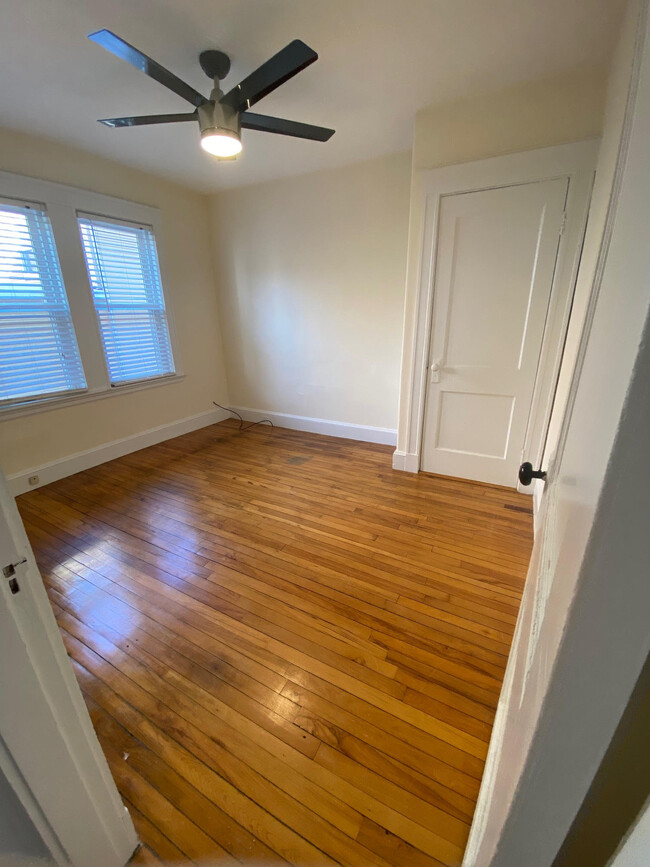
x=290, y=652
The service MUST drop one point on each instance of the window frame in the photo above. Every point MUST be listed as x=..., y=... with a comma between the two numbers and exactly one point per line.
x=63, y=204
x=85, y=216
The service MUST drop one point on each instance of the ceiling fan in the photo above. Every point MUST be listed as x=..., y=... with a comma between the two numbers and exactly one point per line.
x=221, y=117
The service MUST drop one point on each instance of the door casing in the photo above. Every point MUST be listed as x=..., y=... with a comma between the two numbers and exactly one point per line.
x=573, y=161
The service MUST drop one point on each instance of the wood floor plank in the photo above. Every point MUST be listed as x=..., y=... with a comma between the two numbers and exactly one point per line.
x=286, y=843
x=189, y=837
x=290, y=652
x=117, y=742
x=387, y=722
x=153, y=838
x=235, y=756
x=145, y=856
x=447, y=787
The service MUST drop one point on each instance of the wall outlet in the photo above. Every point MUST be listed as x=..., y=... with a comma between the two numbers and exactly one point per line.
x=34, y=480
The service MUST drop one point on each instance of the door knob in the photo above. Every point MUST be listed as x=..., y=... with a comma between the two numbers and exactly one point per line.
x=435, y=370
x=527, y=473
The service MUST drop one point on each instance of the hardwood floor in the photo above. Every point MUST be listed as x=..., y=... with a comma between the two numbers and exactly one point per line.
x=290, y=652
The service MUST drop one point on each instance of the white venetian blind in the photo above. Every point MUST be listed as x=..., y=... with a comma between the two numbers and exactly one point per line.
x=38, y=347
x=127, y=291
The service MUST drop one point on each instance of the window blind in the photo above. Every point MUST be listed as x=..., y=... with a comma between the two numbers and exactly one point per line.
x=39, y=355
x=127, y=292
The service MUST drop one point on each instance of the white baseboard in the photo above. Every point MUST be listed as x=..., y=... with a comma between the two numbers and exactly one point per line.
x=365, y=433
x=51, y=472
x=76, y=463
x=409, y=463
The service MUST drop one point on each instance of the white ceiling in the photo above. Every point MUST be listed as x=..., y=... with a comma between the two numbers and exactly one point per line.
x=380, y=61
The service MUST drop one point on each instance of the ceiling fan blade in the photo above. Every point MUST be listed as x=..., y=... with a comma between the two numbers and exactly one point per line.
x=124, y=51
x=264, y=123
x=280, y=68
x=145, y=120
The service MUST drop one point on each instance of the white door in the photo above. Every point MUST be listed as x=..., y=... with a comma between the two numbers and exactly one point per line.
x=48, y=750
x=494, y=272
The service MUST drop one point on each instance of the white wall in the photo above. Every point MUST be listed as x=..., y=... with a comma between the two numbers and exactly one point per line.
x=47, y=436
x=561, y=704
x=615, y=102
x=311, y=283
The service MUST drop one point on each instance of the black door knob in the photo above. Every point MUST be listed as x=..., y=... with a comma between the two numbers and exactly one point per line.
x=527, y=473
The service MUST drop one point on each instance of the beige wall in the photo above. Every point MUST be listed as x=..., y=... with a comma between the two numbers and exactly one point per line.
x=534, y=115
x=36, y=439
x=311, y=281
x=309, y=270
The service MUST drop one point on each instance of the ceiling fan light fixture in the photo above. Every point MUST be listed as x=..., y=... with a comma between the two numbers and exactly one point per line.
x=220, y=129
x=221, y=143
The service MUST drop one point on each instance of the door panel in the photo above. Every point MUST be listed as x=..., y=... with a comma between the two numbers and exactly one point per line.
x=474, y=423
x=494, y=273
x=48, y=749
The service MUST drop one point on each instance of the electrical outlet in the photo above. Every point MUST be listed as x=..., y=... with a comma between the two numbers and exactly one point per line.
x=33, y=480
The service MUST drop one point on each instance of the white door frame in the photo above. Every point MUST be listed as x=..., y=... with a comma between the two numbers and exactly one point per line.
x=49, y=752
x=575, y=161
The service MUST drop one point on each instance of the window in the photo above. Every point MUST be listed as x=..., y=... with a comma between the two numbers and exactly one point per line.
x=39, y=356
x=128, y=297
x=70, y=333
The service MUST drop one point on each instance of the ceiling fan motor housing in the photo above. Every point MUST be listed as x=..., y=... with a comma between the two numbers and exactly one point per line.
x=215, y=116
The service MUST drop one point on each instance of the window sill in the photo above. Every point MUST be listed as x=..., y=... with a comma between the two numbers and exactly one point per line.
x=50, y=403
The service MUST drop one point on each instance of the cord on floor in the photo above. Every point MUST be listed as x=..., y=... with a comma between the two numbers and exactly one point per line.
x=242, y=428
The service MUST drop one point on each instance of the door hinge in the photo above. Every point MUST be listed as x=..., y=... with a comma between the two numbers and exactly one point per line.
x=563, y=224
x=9, y=572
